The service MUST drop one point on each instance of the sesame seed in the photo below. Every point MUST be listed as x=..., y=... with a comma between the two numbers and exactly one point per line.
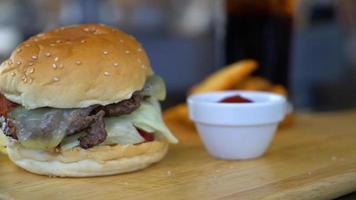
x=18, y=50
x=24, y=78
x=127, y=51
x=52, y=45
x=13, y=73
x=139, y=60
x=55, y=78
x=30, y=63
x=36, y=40
x=18, y=62
x=29, y=80
x=59, y=41
x=86, y=29
x=34, y=57
x=61, y=66
x=78, y=62
x=116, y=64
x=106, y=74
x=30, y=70
x=56, y=59
x=121, y=41
x=28, y=45
x=139, y=49
x=47, y=54
x=54, y=65
x=62, y=28
x=82, y=41
x=106, y=52
x=9, y=62
x=40, y=35
x=143, y=66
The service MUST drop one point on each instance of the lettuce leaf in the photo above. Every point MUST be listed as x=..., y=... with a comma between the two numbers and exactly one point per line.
x=154, y=87
x=121, y=131
x=149, y=118
x=71, y=141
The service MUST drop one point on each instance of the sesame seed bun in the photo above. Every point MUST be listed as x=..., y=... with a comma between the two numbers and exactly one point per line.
x=78, y=162
x=75, y=66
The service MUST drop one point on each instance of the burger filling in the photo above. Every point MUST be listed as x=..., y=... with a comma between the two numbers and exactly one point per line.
x=131, y=121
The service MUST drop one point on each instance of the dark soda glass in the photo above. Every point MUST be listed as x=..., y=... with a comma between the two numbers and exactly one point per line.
x=261, y=30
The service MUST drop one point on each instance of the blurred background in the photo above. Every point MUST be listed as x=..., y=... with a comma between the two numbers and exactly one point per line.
x=309, y=46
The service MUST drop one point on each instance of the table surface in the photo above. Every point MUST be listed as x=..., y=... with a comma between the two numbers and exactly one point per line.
x=313, y=159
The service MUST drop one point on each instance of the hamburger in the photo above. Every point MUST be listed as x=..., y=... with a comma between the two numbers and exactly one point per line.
x=82, y=101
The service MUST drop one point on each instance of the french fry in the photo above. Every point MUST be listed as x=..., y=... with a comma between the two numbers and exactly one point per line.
x=178, y=113
x=279, y=89
x=226, y=78
x=254, y=83
x=287, y=121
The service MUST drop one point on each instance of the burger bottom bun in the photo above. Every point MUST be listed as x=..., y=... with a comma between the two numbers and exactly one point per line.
x=97, y=161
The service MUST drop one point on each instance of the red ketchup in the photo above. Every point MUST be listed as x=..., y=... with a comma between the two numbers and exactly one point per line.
x=147, y=136
x=235, y=99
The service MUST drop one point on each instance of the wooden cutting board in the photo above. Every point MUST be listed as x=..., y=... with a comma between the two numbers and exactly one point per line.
x=313, y=159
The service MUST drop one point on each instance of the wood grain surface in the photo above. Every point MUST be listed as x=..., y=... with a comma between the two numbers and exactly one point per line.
x=313, y=159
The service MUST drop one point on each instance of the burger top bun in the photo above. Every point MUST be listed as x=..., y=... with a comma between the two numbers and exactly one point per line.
x=73, y=67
